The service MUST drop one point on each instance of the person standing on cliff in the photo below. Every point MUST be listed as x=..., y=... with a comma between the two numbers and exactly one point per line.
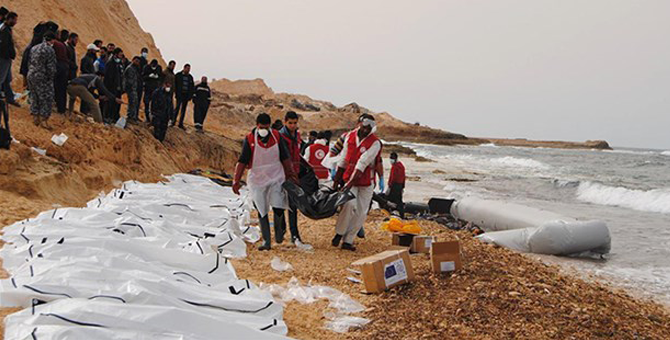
x=114, y=83
x=356, y=172
x=131, y=81
x=168, y=76
x=396, y=184
x=291, y=135
x=151, y=79
x=41, y=74
x=7, y=55
x=141, y=92
x=201, y=100
x=71, y=45
x=265, y=154
x=160, y=108
x=184, y=86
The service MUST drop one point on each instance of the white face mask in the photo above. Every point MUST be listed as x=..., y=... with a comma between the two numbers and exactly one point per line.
x=145, y=54
x=167, y=89
x=118, y=60
x=263, y=133
x=393, y=161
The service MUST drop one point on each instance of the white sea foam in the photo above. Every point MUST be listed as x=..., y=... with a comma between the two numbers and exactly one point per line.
x=509, y=161
x=657, y=200
x=665, y=153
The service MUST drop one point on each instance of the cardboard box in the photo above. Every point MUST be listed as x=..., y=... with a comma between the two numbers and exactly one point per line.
x=385, y=270
x=446, y=256
x=416, y=243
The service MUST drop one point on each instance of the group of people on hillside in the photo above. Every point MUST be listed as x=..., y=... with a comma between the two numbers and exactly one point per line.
x=274, y=153
x=52, y=72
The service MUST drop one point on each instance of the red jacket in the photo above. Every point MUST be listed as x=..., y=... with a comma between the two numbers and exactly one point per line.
x=317, y=153
x=354, y=153
x=397, y=174
x=271, y=142
x=293, y=148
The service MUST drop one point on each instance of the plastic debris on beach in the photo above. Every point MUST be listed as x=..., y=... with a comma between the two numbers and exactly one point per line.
x=39, y=151
x=59, y=139
x=397, y=226
x=341, y=305
x=281, y=266
x=121, y=123
x=304, y=246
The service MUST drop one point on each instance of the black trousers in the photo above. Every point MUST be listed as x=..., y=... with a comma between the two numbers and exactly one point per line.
x=200, y=113
x=182, y=103
x=395, y=196
x=292, y=223
x=112, y=110
x=160, y=127
x=148, y=92
x=60, y=87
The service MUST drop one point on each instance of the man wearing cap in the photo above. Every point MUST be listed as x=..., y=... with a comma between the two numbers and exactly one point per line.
x=356, y=172
x=86, y=65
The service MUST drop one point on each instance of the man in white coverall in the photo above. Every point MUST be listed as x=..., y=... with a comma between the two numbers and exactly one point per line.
x=356, y=172
x=266, y=156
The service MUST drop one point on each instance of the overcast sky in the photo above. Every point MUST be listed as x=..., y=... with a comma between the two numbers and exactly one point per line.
x=568, y=69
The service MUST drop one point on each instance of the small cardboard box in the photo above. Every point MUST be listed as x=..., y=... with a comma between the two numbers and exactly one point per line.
x=385, y=270
x=416, y=243
x=446, y=256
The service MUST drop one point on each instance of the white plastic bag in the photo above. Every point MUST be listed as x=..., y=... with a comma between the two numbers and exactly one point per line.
x=279, y=265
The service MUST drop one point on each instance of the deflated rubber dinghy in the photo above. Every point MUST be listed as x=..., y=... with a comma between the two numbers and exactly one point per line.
x=533, y=230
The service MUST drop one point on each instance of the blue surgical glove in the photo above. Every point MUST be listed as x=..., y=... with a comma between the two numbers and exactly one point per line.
x=381, y=183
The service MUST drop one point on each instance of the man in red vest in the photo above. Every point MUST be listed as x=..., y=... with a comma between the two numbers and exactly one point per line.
x=315, y=153
x=291, y=136
x=396, y=185
x=356, y=173
x=266, y=155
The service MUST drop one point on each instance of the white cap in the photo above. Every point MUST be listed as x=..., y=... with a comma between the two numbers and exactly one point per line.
x=92, y=47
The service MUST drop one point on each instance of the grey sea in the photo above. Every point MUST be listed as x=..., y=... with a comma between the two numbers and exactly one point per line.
x=629, y=189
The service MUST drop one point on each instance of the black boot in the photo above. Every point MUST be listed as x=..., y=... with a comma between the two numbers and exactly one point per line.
x=336, y=240
x=293, y=225
x=265, y=231
x=280, y=225
x=361, y=233
x=348, y=246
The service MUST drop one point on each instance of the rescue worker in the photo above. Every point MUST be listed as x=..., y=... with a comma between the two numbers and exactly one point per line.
x=202, y=96
x=161, y=110
x=290, y=134
x=71, y=46
x=315, y=153
x=82, y=88
x=131, y=83
x=141, y=94
x=266, y=155
x=7, y=54
x=396, y=185
x=356, y=172
x=168, y=75
x=310, y=140
x=41, y=73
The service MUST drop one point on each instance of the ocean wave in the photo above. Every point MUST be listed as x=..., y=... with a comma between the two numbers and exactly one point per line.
x=566, y=183
x=509, y=161
x=665, y=153
x=657, y=200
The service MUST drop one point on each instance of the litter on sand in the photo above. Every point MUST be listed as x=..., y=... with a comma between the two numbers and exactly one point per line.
x=39, y=151
x=277, y=264
x=146, y=261
x=59, y=139
x=341, y=304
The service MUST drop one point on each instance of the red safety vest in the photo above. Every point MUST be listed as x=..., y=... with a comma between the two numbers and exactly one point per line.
x=294, y=150
x=271, y=142
x=317, y=153
x=354, y=153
